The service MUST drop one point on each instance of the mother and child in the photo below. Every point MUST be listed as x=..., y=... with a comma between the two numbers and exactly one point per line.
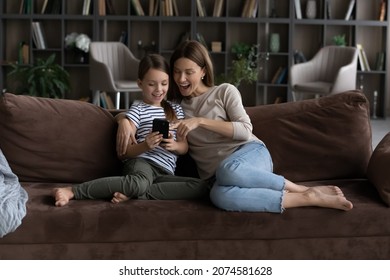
x=234, y=166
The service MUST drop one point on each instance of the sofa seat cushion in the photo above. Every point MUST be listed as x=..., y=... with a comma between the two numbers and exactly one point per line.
x=317, y=139
x=97, y=221
x=57, y=140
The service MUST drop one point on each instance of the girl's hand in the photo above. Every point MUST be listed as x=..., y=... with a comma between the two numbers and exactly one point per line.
x=153, y=139
x=169, y=143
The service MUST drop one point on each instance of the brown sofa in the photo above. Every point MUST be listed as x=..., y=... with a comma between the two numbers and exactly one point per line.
x=50, y=143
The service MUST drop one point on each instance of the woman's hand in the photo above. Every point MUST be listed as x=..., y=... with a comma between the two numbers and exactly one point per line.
x=125, y=136
x=183, y=127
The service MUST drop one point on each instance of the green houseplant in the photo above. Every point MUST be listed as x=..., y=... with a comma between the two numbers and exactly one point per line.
x=244, y=66
x=339, y=40
x=44, y=78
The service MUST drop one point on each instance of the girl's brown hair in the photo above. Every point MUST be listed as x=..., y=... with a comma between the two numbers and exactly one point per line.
x=196, y=52
x=158, y=62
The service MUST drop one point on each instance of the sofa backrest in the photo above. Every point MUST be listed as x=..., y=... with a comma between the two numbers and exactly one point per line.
x=57, y=140
x=325, y=138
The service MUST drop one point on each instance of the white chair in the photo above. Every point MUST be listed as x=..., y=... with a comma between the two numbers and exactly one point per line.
x=332, y=70
x=112, y=68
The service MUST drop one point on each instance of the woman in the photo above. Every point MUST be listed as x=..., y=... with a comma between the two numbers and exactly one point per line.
x=228, y=155
x=151, y=161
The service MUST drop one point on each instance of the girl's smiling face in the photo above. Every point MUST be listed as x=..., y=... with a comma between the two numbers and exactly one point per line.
x=154, y=86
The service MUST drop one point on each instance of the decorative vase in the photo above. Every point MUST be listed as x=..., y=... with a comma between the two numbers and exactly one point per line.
x=80, y=57
x=274, y=42
x=311, y=9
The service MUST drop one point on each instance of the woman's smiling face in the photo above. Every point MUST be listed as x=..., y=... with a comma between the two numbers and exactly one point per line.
x=188, y=77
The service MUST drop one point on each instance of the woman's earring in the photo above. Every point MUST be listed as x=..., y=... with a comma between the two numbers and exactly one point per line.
x=202, y=77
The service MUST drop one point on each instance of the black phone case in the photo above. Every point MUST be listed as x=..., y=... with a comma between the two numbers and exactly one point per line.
x=162, y=126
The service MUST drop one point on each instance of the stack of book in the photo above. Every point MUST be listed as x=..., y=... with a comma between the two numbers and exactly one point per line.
x=363, y=61
x=38, y=35
x=250, y=9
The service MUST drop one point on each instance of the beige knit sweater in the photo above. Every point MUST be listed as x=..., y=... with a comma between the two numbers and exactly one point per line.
x=208, y=148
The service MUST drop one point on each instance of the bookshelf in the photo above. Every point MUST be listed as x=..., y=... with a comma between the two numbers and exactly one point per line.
x=161, y=29
x=363, y=27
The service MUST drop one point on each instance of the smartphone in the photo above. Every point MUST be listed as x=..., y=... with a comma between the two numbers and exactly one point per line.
x=162, y=126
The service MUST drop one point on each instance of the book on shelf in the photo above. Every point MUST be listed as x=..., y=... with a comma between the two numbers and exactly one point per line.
x=110, y=8
x=351, y=5
x=201, y=8
x=24, y=53
x=200, y=39
x=102, y=7
x=380, y=61
x=276, y=75
x=362, y=56
x=328, y=9
x=137, y=7
x=278, y=100
x=175, y=8
x=106, y=101
x=169, y=8
x=123, y=37
x=151, y=7
x=86, y=7
x=298, y=10
x=382, y=10
x=25, y=7
x=51, y=7
x=218, y=6
x=249, y=9
x=282, y=76
x=156, y=7
x=39, y=37
x=44, y=6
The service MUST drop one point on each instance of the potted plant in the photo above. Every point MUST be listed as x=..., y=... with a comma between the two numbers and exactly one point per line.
x=339, y=40
x=244, y=66
x=45, y=78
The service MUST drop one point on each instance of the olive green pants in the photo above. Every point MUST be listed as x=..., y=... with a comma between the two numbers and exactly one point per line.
x=143, y=180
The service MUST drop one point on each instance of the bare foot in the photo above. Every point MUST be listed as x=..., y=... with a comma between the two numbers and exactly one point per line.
x=321, y=199
x=62, y=196
x=119, y=197
x=326, y=189
x=331, y=190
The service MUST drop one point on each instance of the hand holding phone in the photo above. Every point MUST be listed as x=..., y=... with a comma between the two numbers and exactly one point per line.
x=162, y=126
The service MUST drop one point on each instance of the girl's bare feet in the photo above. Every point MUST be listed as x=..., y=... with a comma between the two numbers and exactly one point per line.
x=119, y=197
x=62, y=196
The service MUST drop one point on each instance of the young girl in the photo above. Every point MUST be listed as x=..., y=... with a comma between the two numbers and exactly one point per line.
x=150, y=161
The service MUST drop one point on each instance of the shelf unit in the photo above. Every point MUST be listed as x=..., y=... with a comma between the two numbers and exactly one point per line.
x=364, y=27
x=161, y=34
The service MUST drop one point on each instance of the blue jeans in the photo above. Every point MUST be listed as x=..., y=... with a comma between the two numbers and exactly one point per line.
x=245, y=181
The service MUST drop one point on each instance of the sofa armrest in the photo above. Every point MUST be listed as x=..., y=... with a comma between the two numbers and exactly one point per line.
x=378, y=172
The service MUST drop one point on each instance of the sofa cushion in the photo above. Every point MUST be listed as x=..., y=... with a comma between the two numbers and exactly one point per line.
x=57, y=140
x=316, y=139
x=378, y=166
